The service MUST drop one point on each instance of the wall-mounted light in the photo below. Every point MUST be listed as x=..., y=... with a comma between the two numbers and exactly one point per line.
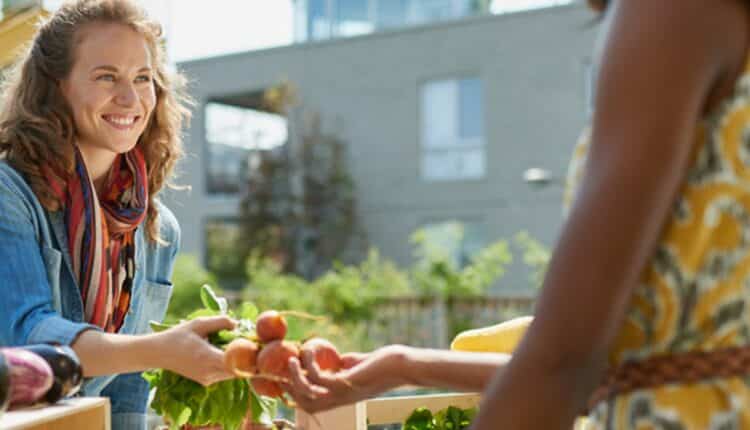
x=538, y=177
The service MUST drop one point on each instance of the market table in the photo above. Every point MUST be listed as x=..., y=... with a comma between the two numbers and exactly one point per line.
x=80, y=413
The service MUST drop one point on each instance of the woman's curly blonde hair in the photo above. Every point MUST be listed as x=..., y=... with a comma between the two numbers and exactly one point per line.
x=36, y=122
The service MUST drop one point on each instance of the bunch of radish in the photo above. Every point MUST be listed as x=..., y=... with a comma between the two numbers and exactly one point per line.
x=265, y=361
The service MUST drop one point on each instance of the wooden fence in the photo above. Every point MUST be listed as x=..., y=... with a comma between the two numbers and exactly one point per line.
x=433, y=322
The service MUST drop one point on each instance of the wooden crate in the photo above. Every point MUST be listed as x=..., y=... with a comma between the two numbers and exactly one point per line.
x=81, y=413
x=386, y=410
x=389, y=410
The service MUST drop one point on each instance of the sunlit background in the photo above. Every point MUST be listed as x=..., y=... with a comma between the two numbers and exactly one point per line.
x=399, y=158
x=227, y=26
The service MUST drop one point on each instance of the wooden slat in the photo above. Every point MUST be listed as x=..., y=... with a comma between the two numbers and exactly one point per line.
x=351, y=417
x=84, y=413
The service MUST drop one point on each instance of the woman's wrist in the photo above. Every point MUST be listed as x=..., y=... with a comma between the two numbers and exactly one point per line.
x=151, y=348
x=402, y=365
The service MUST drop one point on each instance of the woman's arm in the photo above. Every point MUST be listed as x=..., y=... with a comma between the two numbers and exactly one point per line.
x=664, y=63
x=387, y=368
x=182, y=349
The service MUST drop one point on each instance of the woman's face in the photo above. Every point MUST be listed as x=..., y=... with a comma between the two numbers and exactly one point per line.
x=110, y=90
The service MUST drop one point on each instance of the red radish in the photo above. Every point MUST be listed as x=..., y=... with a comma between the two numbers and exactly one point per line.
x=325, y=353
x=274, y=358
x=240, y=357
x=270, y=326
x=267, y=388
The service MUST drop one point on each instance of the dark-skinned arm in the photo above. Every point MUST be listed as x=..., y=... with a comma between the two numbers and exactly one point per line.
x=664, y=64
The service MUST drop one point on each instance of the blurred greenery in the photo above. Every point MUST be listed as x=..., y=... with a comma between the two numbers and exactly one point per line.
x=188, y=277
x=348, y=295
x=536, y=256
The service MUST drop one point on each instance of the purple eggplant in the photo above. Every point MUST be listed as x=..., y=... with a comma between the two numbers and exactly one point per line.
x=4, y=384
x=66, y=369
x=30, y=376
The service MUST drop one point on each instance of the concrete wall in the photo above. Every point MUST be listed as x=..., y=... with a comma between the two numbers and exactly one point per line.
x=532, y=68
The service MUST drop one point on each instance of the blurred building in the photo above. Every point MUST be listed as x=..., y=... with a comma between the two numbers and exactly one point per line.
x=443, y=106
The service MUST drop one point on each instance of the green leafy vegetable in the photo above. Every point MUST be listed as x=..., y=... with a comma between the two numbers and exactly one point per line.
x=183, y=401
x=451, y=418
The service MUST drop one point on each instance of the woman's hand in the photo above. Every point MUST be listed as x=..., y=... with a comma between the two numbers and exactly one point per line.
x=185, y=350
x=362, y=376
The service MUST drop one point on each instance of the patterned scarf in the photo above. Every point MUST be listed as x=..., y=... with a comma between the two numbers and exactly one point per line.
x=101, y=232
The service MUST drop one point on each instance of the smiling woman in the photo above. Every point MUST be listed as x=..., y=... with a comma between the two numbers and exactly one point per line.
x=110, y=93
x=90, y=126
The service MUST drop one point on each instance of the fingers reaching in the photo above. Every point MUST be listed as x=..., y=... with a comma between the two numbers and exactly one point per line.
x=300, y=385
x=206, y=325
x=352, y=359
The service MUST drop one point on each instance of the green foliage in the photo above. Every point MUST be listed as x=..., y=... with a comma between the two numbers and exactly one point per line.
x=435, y=272
x=343, y=293
x=535, y=255
x=183, y=401
x=188, y=277
x=450, y=418
x=346, y=295
x=223, y=242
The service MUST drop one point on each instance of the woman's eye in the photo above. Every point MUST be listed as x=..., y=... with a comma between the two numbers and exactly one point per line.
x=143, y=78
x=107, y=77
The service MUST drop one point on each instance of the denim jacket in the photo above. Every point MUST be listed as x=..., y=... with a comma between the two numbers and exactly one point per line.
x=40, y=301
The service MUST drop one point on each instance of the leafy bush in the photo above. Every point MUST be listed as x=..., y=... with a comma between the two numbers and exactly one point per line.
x=536, y=256
x=348, y=295
x=188, y=277
x=435, y=273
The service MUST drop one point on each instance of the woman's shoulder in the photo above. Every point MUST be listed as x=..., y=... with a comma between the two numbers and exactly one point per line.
x=10, y=177
x=169, y=227
x=14, y=188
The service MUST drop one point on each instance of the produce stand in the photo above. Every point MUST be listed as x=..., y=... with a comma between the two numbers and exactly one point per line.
x=81, y=413
x=386, y=410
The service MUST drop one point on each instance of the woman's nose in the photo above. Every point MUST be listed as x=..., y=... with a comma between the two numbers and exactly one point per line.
x=126, y=94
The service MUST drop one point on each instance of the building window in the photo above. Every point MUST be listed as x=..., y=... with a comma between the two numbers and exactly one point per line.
x=452, y=125
x=456, y=240
x=237, y=130
x=319, y=21
x=426, y=11
x=222, y=254
x=391, y=13
x=353, y=18
x=323, y=19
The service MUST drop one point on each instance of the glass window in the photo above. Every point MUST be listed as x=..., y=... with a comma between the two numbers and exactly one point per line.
x=424, y=11
x=510, y=6
x=453, y=164
x=470, y=108
x=458, y=240
x=353, y=17
x=439, y=121
x=319, y=19
x=452, y=130
x=233, y=135
x=391, y=13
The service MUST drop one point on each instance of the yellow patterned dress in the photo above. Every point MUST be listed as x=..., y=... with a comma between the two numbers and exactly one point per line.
x=695, y=292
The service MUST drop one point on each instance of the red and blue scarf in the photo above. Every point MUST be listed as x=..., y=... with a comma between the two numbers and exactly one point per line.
x=101, y=233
